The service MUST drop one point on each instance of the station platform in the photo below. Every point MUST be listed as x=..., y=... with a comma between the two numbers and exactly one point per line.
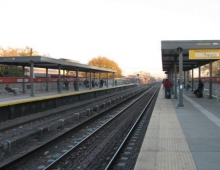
x=22, y=97
x=182, y=137
x=14, y=106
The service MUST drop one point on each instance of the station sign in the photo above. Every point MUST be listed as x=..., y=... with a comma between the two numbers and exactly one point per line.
x=204, y=54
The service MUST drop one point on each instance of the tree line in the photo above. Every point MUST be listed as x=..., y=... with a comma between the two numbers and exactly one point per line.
x=14, y=71
x=215, y=68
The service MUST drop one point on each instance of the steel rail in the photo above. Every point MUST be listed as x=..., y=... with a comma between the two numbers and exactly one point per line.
x=56, y=162
x=130, y=131
x=33, y=152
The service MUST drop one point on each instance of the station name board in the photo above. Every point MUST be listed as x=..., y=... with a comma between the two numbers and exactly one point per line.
x=204, y=54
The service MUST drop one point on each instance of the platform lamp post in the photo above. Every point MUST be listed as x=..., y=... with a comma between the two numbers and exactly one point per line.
x=180, y=51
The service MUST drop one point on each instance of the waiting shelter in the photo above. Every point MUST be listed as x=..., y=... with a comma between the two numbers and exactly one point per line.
x=51, y=63
x=185, y=55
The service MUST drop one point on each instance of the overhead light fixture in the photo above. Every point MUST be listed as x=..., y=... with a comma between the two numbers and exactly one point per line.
x=179, y=49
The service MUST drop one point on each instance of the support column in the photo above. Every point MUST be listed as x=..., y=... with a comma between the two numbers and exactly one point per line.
x=46, y=79
x=171, y=79
x=184, y=79
x=107, y=80
x=94, y=78
x=180, y=50
x=32, y=77
x=59, y=78
x=175, y=78
x=210, y=80
x=99, y=79
x=90, y=80
x=77, y=80
x=23, y=79
x=113, y=79
x=192, y=85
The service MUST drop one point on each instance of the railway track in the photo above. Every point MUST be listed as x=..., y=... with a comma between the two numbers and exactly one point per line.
x=44, y=123
x=107, y=153
x=56, y=113
x=88, y=141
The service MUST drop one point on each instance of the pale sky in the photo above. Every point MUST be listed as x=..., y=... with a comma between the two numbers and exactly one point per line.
x=128, y=32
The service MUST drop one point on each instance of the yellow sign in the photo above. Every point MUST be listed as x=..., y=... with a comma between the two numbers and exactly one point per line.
x=204, y=54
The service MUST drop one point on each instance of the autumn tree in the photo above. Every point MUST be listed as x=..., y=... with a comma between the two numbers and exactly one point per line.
x=14, y=71
x=104, y=62
x=27, y=51
x=215, y=68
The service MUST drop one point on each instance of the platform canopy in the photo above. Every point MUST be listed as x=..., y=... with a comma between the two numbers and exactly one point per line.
x=201, y=52
x=51, y=63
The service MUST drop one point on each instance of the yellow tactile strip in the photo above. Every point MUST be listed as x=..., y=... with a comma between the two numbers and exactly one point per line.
x=165, y=146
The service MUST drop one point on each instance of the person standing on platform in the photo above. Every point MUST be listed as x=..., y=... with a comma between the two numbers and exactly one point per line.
x=101, y=83
x=167, y=86
x=66, y=83
x=93, y=83
x=188, y=85
x=200, y=89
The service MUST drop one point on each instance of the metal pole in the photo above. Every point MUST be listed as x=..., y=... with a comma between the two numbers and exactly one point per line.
x=31, y=52
x=46, y=79
x=23, y=79
x=32, y=78
x=77, y=80
x=113, y=79
x=94, y=78
x=59, y=84
x=199, y=72
x=90, y=80
x=192, y=88
x=99, y=79
x=184, y=79
x=107, y=80
x=180, y=50
x=175, y=78
x=172, y=71
x=210, y=80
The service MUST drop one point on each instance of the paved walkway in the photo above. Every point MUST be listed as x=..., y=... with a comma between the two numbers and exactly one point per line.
x=182, y=138
x=6, y=98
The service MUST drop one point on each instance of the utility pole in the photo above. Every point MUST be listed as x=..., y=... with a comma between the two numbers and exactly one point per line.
x=31, y=52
